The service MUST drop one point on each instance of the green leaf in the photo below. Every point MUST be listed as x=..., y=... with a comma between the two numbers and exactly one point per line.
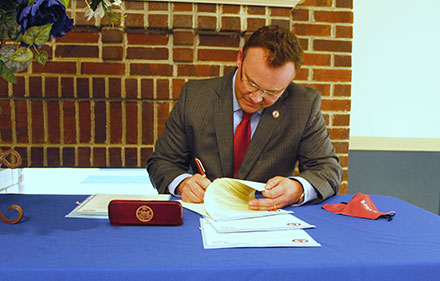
x=42, y=57
x=37, y=35
x=65, y=2
x=6, y=73
x=22, y=55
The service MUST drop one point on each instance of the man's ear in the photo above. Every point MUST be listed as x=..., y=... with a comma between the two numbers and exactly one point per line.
x=239, y=57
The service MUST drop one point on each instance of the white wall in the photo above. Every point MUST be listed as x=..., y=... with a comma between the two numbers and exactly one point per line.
x=396, y=69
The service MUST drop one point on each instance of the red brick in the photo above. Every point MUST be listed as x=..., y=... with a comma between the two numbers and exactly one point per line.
x=21, y=121
x=99, y=157
x=256, y=10
x=304, y=42
x=84, y=157
x=231, y=24
x=344, y=4
x=112, y=35
x=53, y=122
x=112, y=53
x=158, y=6
x=100, y=118
x=284, y=23
x=344, y=31
x=182, y=7
x=208, y=8
x=312, y=29
x=217, y=55
x=147, y=123
x=23, y=151
x=332, y=45
x=131, y=123
x=82, y=88
x=158, y=21
x=147, y=53
x=147, y=39
x=5, y=121
x=145, y=153
x=35, y=87
x=163, y=111
x=343, y=160
x=323, y=89
x=66, y=87
x=219, y=40
x=230, y=9
x=333, y=16
x=131, y=88
x=147, y=88
x=339, y=133
x=341, y=120
x=151, y=69
x=55, y=67
x=37, y=115
x=68, y=156
x=134, y=20
x=335, y=105
x=183, y=38
x=342, y=90
x=182, y=21
x=163, y=89
x=98, y=88
x=300, y=15
x=303, y=74
x=341, y=146
x=69, y=126
x=317, y=3
x=51, y=87
x=131, y=158
x=177, y=86
x=18, y=89
x=255, y=23
x=115, y=157
x=183, y=54
x=343, y=61
x=79, y=37
x=114, y=88
x=332, y=75
x=206, y=22
x=129, y=5
x=115, y=123
x=317, y=59
x=3, y=88
x=53, y=157
x=198, y=70
x=280, y=12
x=85, y=125
x=77, y=51
x=103, y=68
x=37, y=157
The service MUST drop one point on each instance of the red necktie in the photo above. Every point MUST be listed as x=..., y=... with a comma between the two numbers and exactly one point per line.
x=242, y=138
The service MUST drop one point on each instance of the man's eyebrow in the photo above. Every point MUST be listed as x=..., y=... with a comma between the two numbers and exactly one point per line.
x=251, y=80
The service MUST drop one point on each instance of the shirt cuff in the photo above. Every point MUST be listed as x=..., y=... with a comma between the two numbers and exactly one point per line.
x=173, y=185
x=309, y=191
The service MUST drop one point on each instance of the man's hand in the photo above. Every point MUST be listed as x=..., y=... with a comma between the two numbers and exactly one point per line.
x=192, y=189
x=279, y=192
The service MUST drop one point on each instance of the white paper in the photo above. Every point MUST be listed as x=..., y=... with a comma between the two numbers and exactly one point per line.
x=96, y=206
x=267, y=223
x=282, y=238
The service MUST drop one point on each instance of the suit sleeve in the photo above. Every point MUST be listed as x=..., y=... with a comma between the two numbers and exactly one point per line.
x=318, y=162
x=171, y=156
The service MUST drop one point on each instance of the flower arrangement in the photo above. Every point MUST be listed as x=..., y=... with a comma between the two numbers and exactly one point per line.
x=29, y=24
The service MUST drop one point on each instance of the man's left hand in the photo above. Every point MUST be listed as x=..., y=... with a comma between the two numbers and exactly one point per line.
x=279, y=192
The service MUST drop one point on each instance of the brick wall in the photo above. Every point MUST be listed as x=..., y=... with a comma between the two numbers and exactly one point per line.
x=105, y=94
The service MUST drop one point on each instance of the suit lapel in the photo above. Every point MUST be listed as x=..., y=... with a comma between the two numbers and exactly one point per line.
x=223, y=123
x=262, y=136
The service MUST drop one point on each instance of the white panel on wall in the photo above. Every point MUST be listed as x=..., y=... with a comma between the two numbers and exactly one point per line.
x=396, y=69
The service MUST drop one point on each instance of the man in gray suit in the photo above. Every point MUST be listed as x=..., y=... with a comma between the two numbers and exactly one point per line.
x=286, y=127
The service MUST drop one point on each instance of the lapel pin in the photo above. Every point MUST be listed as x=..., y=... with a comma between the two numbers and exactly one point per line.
x=275, y=114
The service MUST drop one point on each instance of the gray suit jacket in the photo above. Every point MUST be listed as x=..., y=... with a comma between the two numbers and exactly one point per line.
x=201, y=125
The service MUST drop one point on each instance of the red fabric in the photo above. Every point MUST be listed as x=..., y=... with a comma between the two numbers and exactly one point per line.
x=242, y=138
x=360, y=206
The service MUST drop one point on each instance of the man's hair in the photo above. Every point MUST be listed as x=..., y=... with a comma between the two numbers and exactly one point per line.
x=282, y=45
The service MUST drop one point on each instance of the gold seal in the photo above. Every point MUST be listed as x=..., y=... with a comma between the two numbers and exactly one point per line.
x=144, y=213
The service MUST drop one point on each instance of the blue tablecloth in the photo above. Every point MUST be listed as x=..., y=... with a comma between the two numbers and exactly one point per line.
x=47, y=246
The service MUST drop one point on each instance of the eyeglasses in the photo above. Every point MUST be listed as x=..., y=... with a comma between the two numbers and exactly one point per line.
x=252, y=87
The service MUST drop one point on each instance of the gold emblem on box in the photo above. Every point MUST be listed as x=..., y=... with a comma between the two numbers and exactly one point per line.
x=144, y=213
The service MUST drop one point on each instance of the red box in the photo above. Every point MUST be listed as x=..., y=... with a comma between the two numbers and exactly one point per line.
x=137, y=212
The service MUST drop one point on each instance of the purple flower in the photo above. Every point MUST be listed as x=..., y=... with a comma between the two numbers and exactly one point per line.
x=43, y=12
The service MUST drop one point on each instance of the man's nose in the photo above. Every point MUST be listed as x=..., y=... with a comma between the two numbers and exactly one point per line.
x=256, y=96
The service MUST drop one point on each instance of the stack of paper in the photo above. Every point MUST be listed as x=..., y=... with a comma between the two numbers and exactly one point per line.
x=229, y=223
